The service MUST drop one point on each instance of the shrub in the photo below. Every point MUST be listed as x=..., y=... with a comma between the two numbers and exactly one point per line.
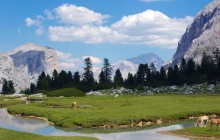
x=66, y=92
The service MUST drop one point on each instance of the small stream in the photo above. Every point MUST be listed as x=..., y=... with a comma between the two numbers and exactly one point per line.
x=36, y=126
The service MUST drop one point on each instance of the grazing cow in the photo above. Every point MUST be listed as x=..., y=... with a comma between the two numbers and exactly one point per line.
x=215, y=121
x=202, y=120
x=73, y=105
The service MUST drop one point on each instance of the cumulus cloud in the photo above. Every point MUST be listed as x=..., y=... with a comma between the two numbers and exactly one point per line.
x=30, y=22
x=49, y=14
x=66, y=62
x=74, y=15
x=150, y=28
x=36, y=22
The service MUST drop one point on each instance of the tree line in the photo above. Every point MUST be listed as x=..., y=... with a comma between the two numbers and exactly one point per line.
x=187, y=72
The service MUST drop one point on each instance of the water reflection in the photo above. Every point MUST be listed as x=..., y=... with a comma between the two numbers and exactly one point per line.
x=40, y=127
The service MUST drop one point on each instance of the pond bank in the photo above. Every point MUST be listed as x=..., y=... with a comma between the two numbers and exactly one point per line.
x=188, y=136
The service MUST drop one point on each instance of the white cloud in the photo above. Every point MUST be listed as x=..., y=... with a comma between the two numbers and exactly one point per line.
x=95, y=60
x=74, y=15
x=30, y=22
x=39, y=30
x=150, y=28
x=66, y=62
x=37, y=23
x=49, y=14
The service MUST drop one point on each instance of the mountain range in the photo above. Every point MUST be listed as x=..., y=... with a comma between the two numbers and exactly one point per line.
x=24, y=64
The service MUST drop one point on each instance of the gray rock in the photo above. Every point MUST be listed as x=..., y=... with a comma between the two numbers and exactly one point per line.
x=202, y=35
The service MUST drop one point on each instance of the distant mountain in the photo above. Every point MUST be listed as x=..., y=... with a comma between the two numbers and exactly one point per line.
x=147, y=59
x=24, y=64
x=131, y=65
x=203, y=35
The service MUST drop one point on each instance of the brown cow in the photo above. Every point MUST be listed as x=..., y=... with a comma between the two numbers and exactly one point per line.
x=215, y=121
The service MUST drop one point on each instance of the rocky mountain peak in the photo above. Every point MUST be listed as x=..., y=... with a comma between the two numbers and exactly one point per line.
x=202, y=35
x=24, y=64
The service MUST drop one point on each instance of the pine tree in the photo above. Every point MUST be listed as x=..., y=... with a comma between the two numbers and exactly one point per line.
x=118, y=80
x=163, y=76
x=8, y=87
x=5, y=89
x=130, y=82
x=170, y=76
x=55, y=80
x=76, y=78
x=102, y=77
x=32, y=88
x=107, y=70
x=142, y=74
x=88, y=73
x=191, y=72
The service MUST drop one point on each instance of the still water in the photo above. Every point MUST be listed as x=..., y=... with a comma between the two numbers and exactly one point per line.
x=43, y=128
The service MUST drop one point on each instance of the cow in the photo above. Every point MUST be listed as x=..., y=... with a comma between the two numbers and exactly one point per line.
x=202, y=120
x=73, y=105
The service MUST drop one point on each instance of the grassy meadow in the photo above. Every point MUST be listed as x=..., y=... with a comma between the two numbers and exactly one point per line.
x=198, y=132
x=99, y=111
x=7, y=134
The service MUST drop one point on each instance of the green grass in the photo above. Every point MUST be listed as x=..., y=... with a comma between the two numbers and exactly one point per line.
x=6, y=134
x=66, y=92
x=10, y=102
x=95, y=111
x=198, y=132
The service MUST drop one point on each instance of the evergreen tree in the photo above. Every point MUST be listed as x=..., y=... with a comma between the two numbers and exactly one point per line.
x=107, y=70
x=176, y=77
x=55, y=80
x=191, y=78
x=170, y=77
x=5, y=89
x=32, y=88
x=130, y=82
x=118, y=80
x=102, y=77
x=88, y=72
x=211, y=73
x=42, y=83
x=63, y=79
x=76, y=78
x=216, y=58
x=8, y=87
x=11, y=87
x=142, y=74
x=183, y=70
x=163, y=76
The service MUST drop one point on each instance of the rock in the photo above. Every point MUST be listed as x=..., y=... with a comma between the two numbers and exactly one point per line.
x=24, y=64
x=202, y=35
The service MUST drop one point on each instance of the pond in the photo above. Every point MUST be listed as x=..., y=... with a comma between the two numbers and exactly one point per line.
x=41, y=127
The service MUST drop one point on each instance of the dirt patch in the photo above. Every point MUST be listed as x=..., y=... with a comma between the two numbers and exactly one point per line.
x=42, y=118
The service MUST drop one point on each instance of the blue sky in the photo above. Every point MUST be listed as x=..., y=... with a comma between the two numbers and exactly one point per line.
x=113, y=29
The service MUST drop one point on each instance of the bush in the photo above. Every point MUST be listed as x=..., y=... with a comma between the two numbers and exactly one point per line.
x=66, y=92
